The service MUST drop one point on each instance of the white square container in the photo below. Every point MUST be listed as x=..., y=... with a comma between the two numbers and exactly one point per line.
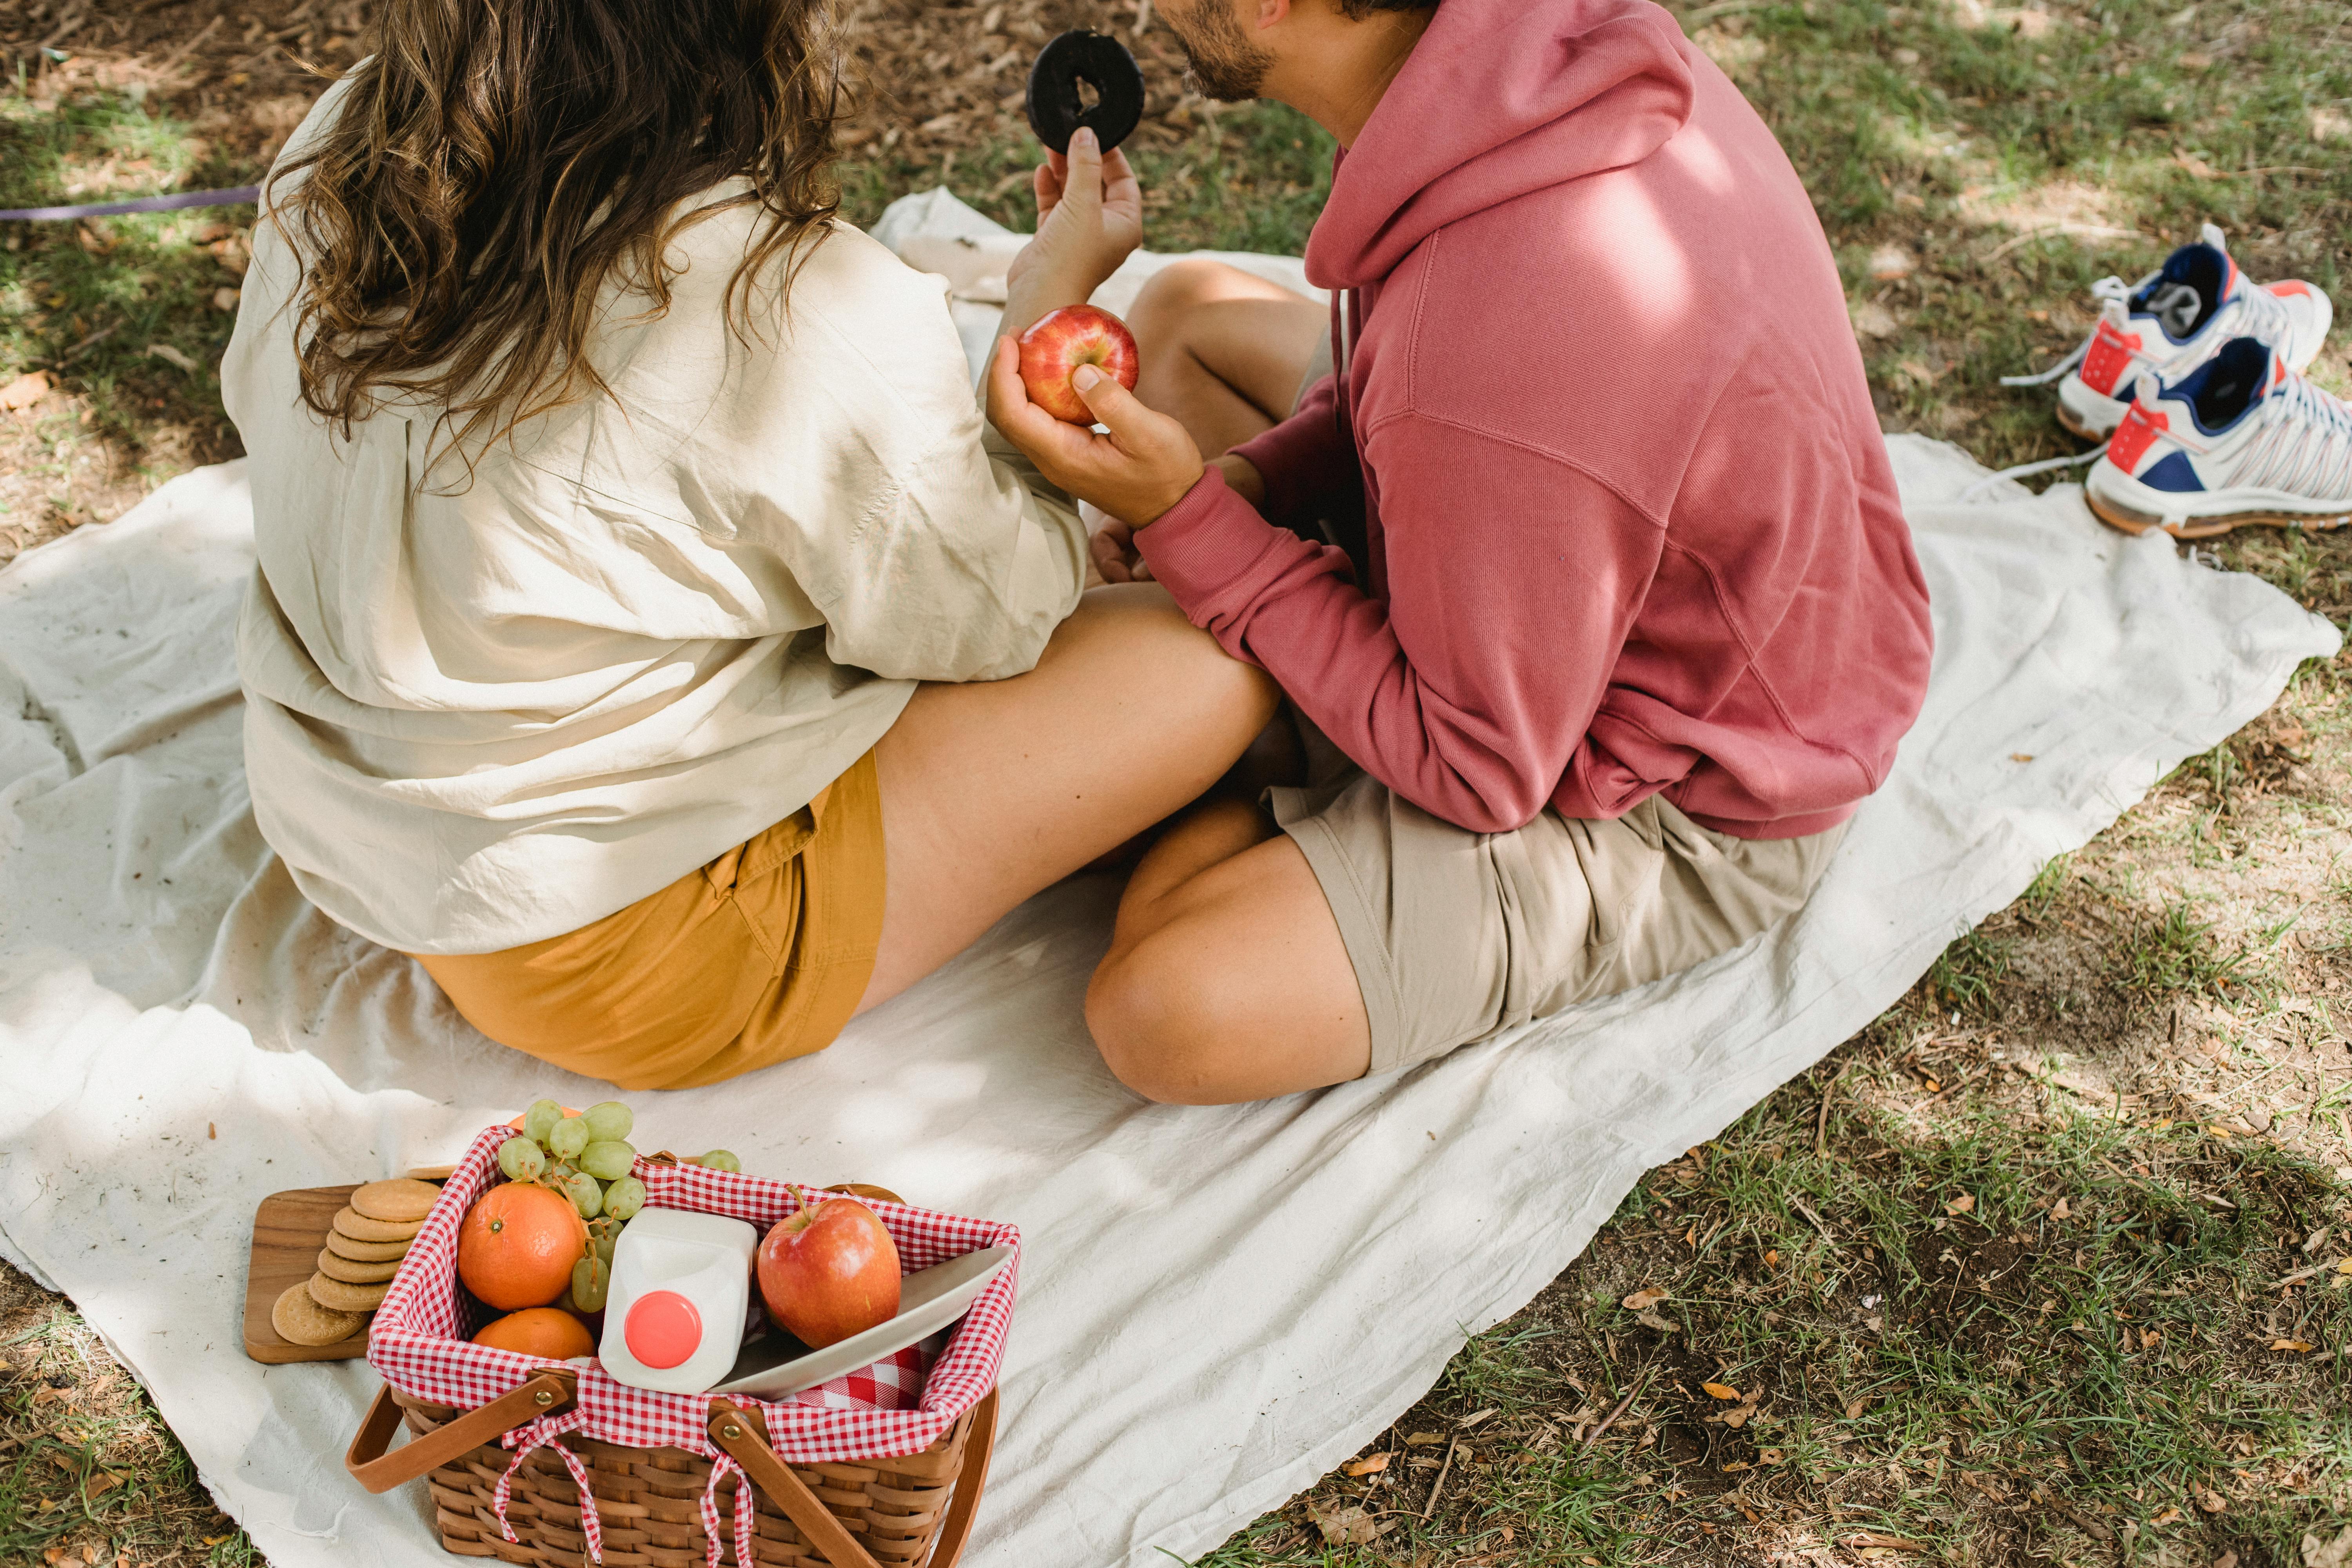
x=681, y=1291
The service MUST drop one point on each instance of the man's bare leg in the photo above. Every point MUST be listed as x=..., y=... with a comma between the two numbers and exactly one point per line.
x=1221, y=351
x=1226, y=979
x=995, y=789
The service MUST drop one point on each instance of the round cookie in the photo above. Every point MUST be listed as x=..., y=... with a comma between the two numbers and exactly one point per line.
x=342, y=1295
x=299, y=1320
x=399, y=1201
x=337, y=1267
x=1055, y=110
x=359, y=1227
x=342, y=1245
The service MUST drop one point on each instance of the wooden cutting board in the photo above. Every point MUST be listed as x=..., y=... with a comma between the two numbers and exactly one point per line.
x=288, y=1229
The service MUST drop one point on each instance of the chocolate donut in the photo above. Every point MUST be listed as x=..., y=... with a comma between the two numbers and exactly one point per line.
x=1054, y=110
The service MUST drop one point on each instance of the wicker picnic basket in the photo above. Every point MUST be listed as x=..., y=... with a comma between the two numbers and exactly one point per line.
x=880, y=1470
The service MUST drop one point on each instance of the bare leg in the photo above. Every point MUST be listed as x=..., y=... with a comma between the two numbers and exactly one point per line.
x=1221, y=351
x=994, y=790
x=1226, y=979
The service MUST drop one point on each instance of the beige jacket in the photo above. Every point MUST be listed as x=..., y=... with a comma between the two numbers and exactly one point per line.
x=482, y=714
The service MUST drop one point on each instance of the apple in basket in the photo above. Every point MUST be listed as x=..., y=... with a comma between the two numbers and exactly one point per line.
x=828, y=1272
x=1059, y=343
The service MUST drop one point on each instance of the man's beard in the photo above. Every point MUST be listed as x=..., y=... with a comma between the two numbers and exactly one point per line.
x=1225, y=64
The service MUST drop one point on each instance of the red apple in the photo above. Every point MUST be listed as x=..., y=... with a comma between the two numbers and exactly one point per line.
x=828, y=1272
x=1061, y=341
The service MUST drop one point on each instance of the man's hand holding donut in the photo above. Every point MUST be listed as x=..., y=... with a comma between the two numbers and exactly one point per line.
x=1140, y=468
x=1089, y=219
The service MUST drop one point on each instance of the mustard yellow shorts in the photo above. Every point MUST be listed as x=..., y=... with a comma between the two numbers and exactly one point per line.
x=756, y=958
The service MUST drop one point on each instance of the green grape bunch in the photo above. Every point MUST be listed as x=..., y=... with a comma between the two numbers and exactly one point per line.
x=588, y=1158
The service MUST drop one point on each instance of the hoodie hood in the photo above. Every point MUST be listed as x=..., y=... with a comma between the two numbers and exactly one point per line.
x=1500, y=98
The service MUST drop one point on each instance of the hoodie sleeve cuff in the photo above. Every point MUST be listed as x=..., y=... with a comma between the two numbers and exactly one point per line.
x=1202, y=547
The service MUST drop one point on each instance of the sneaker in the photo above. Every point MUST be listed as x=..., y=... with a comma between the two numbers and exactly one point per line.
x=2170, y=322
x=2242, y=438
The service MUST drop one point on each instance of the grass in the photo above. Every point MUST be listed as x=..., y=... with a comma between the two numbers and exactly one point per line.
x=1998, y=1283
x=2001, y=1328
x=88, y=1475
x=1964, y=975
x=130, y=312
x=1977, y=169
x=2172, y=954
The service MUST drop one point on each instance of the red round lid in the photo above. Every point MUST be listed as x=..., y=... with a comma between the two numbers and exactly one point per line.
x=663, y=1329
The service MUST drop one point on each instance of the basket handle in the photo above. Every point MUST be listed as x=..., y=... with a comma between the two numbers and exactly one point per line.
x=977, y=1446
x=745, y=1438
x=380, y=1472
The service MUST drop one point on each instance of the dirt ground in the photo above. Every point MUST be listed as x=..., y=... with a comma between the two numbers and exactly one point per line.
x=938, y=83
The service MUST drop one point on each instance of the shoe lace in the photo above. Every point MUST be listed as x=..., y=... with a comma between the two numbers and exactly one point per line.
x=2266, y=317
x=2023, y=469
x=2106, y=290
x=2305, y=447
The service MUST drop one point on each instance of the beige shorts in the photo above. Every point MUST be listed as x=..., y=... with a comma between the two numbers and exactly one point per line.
x=1458, y=936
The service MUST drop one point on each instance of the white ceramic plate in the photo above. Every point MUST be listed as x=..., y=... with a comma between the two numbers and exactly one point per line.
x=929, y=1301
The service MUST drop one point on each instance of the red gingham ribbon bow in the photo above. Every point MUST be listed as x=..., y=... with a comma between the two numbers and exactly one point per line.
x=540, y=1434
x=747, y=1509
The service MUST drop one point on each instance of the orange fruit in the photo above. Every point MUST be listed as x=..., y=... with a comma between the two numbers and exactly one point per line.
x=549, y=1331
x=518, y=1245
x=517, y=1122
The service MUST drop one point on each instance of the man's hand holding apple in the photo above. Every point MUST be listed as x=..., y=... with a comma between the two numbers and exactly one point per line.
x=1089, y=220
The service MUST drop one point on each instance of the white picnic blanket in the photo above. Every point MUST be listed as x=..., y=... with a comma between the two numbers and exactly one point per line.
x=1216, y=1305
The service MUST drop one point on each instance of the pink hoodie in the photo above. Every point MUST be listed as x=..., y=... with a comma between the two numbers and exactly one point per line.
x=1627, y=520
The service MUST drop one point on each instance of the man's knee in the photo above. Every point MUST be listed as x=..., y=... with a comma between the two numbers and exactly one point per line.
x=1156, y=1017
x=1173, y=293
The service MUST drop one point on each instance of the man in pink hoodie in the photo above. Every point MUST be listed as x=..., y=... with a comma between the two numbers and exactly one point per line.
x=1580, y=561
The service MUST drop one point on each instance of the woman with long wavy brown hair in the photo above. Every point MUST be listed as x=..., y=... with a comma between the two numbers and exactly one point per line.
x=647, y=635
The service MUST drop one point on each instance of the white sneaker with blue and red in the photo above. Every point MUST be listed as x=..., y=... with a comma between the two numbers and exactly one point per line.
x=2173, y=320
x=2243, y=439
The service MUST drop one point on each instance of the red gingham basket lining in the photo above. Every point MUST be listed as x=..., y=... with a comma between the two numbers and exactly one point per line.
x=417, y=1342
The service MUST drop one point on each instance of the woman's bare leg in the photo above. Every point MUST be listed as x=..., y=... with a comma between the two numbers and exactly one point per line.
x=995, y=789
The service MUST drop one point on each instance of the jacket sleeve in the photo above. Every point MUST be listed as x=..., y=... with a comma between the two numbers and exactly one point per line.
x=937, y=551
x=1307, y=462
x=964, y=576
x=1470, y=689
